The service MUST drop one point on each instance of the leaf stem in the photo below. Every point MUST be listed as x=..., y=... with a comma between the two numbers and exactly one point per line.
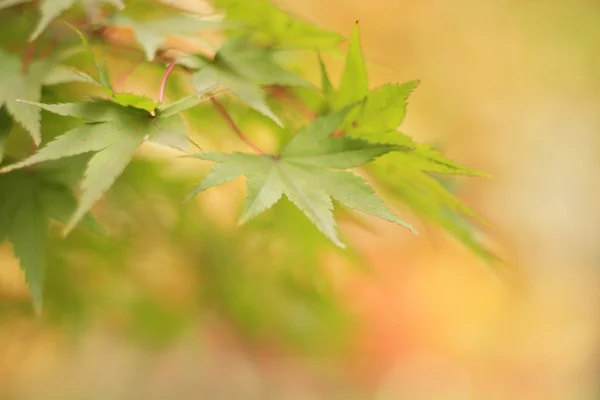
x=234, y=126
x=163, y=84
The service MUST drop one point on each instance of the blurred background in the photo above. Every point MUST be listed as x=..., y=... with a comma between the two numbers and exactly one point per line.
x=176, y=304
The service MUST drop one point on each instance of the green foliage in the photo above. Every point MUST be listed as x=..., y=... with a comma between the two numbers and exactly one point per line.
x=303, y=172
x=91, y=132
x=266, y=24
x=113, y=131
x=27, y=200
x=408, y=173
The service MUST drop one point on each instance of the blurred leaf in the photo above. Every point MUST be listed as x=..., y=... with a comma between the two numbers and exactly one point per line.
x=20, y=81
x=266, y=23
x=153, y=33
x=50, y=9
x=243, y=69
x=27, y=200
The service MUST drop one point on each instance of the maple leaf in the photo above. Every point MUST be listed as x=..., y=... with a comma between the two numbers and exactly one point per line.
x=151, y=34
x=310, y=172
x=114, y=128
x=112, y=132
x=243, y=69
x=24, y=82
x=28, y=200
x=50, y=9
x=266, y=23
x=405, y=173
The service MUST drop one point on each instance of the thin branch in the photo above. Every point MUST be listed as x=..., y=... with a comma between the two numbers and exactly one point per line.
x=234, y=126
x=163, y=85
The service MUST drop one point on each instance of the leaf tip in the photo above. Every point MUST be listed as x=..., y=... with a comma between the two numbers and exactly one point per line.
x=188, y=197
x=67, y=230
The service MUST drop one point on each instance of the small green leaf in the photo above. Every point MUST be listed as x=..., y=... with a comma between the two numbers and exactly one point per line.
x=134, y=100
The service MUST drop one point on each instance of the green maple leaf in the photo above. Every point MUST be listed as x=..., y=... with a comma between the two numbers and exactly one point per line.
x=267, y=24
x=28, y=200
x=405, y=173
x=114, y=128
x=112, y=132
x=50, y=9
x=19, y=82
x=244, y=69
x=309, y=172
x=151, y=34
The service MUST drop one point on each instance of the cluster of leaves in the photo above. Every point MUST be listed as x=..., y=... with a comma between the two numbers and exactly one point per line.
x=351, y=127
